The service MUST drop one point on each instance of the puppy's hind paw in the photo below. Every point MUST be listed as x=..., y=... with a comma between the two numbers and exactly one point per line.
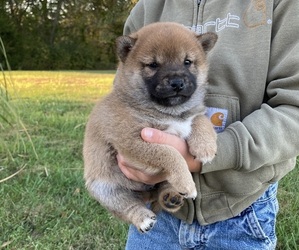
x=147, y=224
x=172, y=201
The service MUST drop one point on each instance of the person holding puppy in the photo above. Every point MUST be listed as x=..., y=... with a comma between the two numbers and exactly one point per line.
x=253, y=103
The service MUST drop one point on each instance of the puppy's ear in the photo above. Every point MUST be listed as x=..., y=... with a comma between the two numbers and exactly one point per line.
x=124, y=44
x=207, y=41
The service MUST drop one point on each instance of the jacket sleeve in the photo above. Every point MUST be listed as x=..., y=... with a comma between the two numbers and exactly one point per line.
x=269, y=135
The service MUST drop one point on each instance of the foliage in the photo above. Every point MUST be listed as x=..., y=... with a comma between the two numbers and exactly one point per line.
x=62, y=34
x=46, y=206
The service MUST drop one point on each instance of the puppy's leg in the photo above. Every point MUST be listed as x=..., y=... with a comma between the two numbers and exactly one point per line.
x=180, y=178
x=166, y=159
x=202, y=141
x=123, y=203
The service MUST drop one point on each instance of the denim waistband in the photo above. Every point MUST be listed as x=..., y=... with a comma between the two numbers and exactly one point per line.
x=270, y=192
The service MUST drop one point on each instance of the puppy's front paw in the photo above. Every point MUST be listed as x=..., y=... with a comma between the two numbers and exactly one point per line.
x=187, y=190
x=205, y=152
x=183, y=184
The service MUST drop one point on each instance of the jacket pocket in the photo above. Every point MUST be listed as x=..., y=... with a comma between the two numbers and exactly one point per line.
x=222, y=110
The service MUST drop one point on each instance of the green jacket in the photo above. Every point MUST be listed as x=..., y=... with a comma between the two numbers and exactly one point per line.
x=253, y=96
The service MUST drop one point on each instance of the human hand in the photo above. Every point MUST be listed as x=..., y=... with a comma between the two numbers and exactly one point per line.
x=136, y=175
x=157, y=136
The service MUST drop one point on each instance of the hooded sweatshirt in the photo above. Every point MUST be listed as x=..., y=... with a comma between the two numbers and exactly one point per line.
x=252, y=100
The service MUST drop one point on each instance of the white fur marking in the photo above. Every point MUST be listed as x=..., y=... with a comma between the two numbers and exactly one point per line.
x=147, y=224
x=180, y=128
x=193, y=195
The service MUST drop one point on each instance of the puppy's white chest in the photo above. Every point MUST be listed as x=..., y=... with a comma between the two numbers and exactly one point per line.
x=180, y=128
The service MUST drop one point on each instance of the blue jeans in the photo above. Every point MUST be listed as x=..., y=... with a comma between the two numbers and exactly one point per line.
x=253, y=229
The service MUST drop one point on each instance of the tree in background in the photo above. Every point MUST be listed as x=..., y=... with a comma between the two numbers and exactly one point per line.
x=62, y=34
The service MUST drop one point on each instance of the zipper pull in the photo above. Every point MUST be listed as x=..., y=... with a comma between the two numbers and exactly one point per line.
x=198, y=2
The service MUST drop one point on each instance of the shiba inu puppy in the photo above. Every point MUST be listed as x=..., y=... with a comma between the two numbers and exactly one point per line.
x=160, y=83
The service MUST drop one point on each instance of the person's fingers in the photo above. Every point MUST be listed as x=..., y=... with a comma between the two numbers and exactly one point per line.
x=124, y=168
x=137, y=175
x=157, y=136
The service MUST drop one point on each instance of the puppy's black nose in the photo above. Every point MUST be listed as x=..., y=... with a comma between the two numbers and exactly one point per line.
x=177, y=84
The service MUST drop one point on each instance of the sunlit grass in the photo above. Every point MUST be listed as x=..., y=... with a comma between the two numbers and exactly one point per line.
x=71, y=86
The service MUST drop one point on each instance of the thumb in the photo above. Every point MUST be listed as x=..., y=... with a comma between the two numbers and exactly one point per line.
x=157, y=136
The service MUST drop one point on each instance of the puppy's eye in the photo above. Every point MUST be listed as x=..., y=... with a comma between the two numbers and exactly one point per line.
x=187, y=62
x=152, y=65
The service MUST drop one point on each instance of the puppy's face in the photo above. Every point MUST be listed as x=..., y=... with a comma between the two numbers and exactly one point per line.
x=170, y=77
x=166, y=62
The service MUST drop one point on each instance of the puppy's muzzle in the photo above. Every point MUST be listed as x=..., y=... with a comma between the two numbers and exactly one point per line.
x=177, y=84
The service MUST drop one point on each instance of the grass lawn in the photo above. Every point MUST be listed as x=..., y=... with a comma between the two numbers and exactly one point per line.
x=46, y=206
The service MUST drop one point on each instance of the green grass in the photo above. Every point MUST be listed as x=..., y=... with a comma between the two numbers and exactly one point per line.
x=288, y=218
x=46, y=206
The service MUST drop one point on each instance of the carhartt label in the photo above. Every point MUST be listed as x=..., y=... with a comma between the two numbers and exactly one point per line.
x=218, y=117
x=230, y=21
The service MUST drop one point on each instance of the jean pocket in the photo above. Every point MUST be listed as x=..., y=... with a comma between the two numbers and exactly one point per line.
x=261, y=218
